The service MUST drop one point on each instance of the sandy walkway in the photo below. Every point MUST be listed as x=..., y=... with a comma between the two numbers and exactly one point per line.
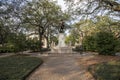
x=61, y=68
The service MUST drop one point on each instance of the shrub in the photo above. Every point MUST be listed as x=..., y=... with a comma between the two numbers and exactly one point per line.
x=78, y=48
x=118, y=45
x=6, y=49
x=35, y=46
x=89, y=43
x=106, y=43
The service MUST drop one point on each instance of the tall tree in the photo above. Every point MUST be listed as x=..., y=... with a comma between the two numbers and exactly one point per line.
x=42, y=15
x=88, y=27
x=7, y=11
x=92, y=8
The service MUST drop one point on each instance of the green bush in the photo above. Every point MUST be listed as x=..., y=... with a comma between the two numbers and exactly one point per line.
x=78, y=48
x=17, y=42
x=105, y=43
x=6, y=49
x=45, y=49
x=89, y=43
x=118, y=45
x=35, y=46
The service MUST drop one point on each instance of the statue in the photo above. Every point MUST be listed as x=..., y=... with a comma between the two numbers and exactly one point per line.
x=62, y=27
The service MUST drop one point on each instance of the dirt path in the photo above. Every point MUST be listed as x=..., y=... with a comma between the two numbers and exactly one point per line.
x=61, y=68
x=6, y=54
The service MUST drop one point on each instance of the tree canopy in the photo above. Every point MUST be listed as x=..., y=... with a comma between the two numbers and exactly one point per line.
x=93, y=8
x=21, y=18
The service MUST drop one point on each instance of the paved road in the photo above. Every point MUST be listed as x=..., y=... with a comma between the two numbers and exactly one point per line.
x=61, y=68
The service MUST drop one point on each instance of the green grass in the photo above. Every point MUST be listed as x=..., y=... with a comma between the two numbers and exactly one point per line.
x=106, y=71
x=17, y=67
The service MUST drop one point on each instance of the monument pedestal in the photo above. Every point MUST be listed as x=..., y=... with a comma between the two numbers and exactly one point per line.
x=61, y=40
x=61, y=47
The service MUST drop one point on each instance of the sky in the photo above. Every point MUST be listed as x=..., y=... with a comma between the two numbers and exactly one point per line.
x=61, y=3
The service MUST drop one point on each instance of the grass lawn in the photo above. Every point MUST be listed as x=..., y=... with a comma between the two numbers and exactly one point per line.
x=17, y=67
x=106, y=71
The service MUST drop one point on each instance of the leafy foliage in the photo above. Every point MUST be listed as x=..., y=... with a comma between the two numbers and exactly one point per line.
x=85, y=9
x=33, y=44
x=43, y=16
x=19, y=18
x=101, y=34
x=105, y=43
x=78, y=48
x=14, y=43
x=89, y=43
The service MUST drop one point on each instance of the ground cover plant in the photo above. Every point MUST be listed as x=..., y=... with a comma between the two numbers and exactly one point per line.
x=17, y=67
x=106, y=71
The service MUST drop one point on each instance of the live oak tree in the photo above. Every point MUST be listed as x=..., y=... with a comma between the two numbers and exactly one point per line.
x=23, y=16
x=11, y=26
x=42, y=16
x=89, y=27
x=92, y=8
x=7, y=17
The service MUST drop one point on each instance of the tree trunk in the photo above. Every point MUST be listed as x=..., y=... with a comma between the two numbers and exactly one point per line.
x=2, y=40
x=47, y=42
x=40, y=39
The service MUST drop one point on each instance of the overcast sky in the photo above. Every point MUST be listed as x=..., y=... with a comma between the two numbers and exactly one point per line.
x=61, y=3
